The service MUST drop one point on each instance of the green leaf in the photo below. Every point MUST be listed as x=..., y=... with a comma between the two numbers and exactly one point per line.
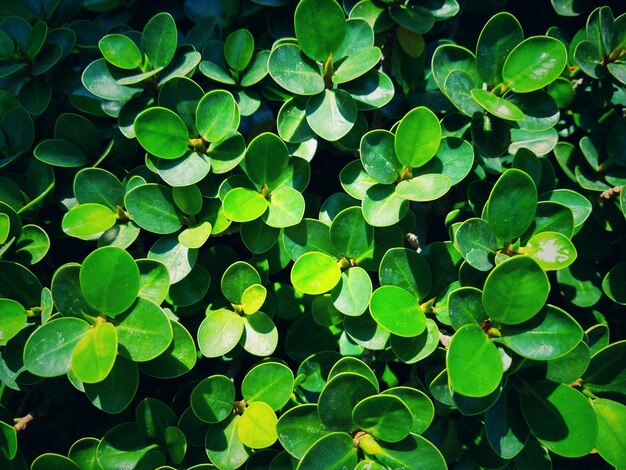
x=422, y=410
x=223, y=446
x=511, y=205
x=614, y=284
x=257, y=426
x=534, y=63
x=465, y=307
x=424, y=188
x=497, y=106
x=291, y=121
x=350, y=234
x=320, y=27
x=266, y=158
x=260, y=336
x=515, y=290
x=415, y=18
x=334, y=451
x=219, y=333
x=417, y=137
x=212, y=400
x=560, y=417
x=258, y=237
x=94, y=355
x=143, y=331
x=550, y=334
x=382, y=205
x=477, y=243
x=125, y=445
x=48, y=351
x=120, y=51
x=161, y=132
x=299, y=428
x=398, y=311
x=159, y=40
x=295, y=72
x=457, y=87
x=236, y=279
x=379, y=157
x=356, y=64
x=606, y=372
x=611, y=423
x=339, y=397
x=552, y=250
x=94, y=185
x=315, y=273
x=178, y=359
x=177, y=258
x=505, y=427
x=154, y=417
x=153, y=208
x=286, y=208
x=216, y=115
x=473, y=362
x=385, y=417
x=351, y=295
x=8, y=441
x=405, y=453
x=407, y=269
x=88, y=221
x=269, y=382
x=539, y=108
x=53, y=462
x=253, y=298
x=373, y=90
x=244, y=205
x=331, y=114
x=12, y=319
x=109, y=280
x=454, y=159
x=238, y=49
x=497, y=39
x=61, y=153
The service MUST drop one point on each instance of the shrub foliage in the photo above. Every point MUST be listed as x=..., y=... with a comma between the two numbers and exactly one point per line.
x=312, y=234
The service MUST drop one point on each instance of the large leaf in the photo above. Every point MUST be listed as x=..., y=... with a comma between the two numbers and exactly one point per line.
x=534, y=63
x=515, y=290
x=474, y=365
x=320, y=27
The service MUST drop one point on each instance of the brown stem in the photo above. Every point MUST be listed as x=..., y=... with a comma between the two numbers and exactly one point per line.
x=21, y=423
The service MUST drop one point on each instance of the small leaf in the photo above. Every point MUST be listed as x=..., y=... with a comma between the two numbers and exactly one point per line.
x=385, y=417
x=120, y=51
x=213, y=398
x=109, y=280
x=497, y=106
x=216, y=115
x=159, y=39
x=515, y=290
x=331, y=114
x=315, y=273
x=94, y=355
x=295, y=72
x=552, y=250
x=238, y=49
x=398, y=311
x=219, y=333
x=417, y=137
x=162, y=132
x=473, y=362
x=257, y=426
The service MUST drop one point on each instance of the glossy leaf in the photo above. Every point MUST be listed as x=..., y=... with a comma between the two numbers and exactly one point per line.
x=162, y=132
x=553, y=411
x=473, y=362
x=320, y=27
x=534, y=63
x=94, y=355
x=515, y=290
x=398, y=311
x=512, y=204
x=417, y=137
x=109, y=280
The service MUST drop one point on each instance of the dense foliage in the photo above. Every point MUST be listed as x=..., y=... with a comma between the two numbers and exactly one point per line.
x=312, y=234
